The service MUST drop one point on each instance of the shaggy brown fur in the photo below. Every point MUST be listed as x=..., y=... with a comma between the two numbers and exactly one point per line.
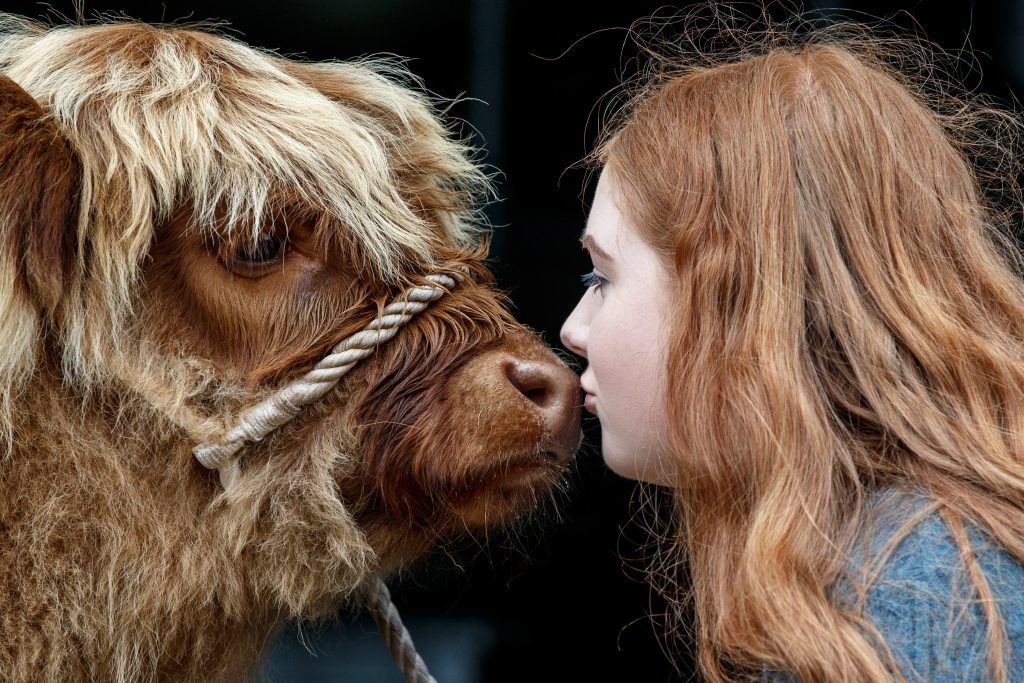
x=186, y=223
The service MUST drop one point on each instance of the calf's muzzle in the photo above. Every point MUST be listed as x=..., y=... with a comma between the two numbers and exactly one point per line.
x=555, y=392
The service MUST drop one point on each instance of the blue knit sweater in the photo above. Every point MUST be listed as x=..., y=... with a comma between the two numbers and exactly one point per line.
x=924, y=603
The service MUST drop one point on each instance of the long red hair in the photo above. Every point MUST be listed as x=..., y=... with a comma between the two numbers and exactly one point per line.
x=849, y=314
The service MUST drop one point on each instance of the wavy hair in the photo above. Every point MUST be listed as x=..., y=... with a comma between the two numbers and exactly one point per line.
x=849, y=314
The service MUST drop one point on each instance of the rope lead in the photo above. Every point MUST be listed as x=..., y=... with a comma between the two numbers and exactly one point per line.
x=394, y=633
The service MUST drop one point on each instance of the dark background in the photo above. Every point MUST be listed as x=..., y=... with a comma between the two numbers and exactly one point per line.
x=561, y=598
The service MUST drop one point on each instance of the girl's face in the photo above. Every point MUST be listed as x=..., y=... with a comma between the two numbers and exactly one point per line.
x=620, y=326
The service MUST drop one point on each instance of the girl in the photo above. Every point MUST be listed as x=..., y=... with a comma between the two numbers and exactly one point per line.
x=805, y=319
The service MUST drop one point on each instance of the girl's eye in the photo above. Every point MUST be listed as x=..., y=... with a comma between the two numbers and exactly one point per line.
x=592, y=279
x=266, y=248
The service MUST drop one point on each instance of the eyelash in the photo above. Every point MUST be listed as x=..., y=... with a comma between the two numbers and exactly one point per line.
x=592, y=279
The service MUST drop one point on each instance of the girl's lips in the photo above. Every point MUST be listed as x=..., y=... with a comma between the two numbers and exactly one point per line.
x=589, y=403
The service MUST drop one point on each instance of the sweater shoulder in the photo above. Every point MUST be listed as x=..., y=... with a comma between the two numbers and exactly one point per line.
x=907, y=577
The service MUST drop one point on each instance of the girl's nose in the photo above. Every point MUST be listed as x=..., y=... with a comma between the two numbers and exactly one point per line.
x=574, y=331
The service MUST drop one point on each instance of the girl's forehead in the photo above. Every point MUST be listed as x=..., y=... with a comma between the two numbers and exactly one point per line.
x=609, y=234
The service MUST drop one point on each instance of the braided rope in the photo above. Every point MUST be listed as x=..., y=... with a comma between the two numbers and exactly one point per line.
x=285, y=403
x=394, y=633
x=277, y=409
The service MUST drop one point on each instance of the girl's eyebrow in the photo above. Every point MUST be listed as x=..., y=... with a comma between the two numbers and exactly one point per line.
x=591, y=245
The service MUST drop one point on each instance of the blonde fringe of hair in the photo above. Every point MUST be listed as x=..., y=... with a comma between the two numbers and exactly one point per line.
x=163, y=118
x=850, y=315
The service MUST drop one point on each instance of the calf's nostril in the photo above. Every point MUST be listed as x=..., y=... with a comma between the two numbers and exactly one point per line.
x=533, y=380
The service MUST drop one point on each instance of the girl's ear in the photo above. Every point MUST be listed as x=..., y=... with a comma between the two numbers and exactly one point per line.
x=40, y=179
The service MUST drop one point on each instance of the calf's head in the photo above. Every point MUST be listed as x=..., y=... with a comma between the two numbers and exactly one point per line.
x=186, y=224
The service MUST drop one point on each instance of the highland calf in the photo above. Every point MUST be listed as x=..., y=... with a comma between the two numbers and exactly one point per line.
x=186, y=224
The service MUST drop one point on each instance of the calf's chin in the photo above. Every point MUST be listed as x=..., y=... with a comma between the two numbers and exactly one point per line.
x=478, y=447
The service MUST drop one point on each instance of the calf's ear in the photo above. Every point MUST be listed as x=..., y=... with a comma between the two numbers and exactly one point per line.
x=39, y=182
x=40, y=177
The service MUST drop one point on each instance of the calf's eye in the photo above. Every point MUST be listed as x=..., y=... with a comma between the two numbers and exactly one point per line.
x=267, y=247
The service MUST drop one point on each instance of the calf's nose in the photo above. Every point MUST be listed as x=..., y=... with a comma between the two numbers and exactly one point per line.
x=555, y=390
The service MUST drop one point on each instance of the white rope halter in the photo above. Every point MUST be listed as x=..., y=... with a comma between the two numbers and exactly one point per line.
x=277, y=409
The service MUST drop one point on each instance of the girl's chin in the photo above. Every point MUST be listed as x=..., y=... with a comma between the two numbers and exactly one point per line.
x=649, y=467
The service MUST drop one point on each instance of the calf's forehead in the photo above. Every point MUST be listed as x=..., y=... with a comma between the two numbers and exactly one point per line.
x=161, y=115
